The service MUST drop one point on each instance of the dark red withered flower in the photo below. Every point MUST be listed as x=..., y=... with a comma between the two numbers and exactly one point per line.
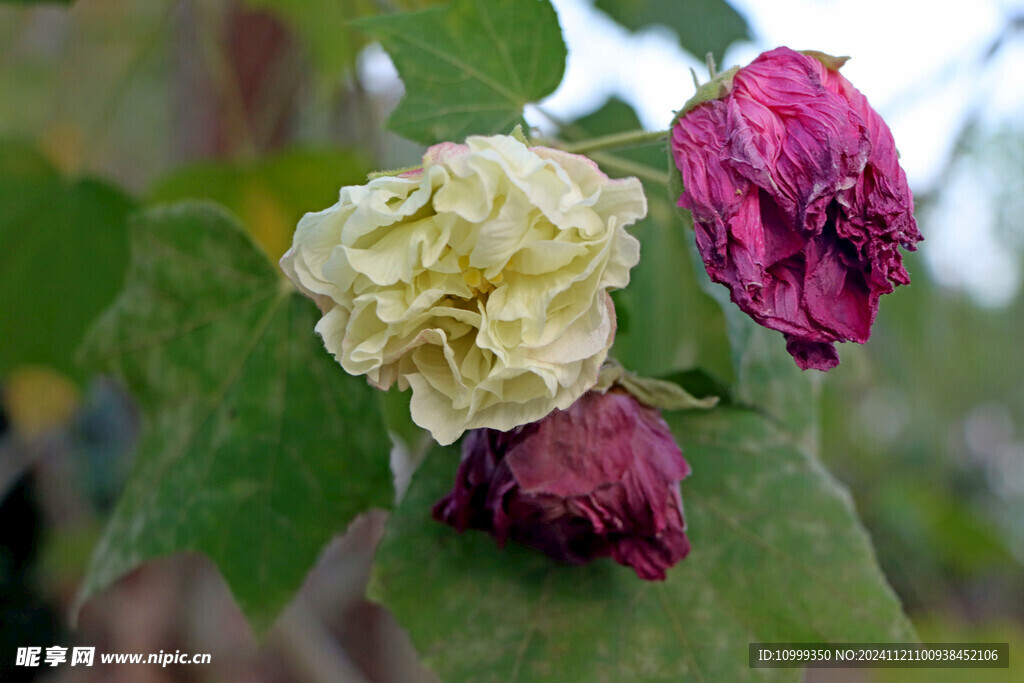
x=599, y=479
x=798, y=200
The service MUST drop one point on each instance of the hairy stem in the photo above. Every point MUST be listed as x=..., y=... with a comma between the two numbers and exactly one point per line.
x=641, y=171
x=631, y=138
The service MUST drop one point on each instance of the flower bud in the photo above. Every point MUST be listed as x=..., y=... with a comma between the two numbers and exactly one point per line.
x=599, y=479
x=798, y=200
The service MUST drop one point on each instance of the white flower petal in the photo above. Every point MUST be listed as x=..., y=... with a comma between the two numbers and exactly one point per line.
x=480, y=281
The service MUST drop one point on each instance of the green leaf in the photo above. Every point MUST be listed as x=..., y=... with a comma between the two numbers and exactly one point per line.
x=470, y=68
x=269, y=195
x=703, y=26
x=63, y=253
x=778, y=555
x=257, y=447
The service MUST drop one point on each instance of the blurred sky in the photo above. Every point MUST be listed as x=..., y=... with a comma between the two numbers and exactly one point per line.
x=926, y=67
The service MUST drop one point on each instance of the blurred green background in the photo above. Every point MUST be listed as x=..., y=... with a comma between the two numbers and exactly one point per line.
x=269, y=106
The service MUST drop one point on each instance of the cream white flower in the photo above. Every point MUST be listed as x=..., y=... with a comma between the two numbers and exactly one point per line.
x=479, y=280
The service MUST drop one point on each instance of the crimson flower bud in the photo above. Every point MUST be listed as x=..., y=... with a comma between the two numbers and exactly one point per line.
x=599, y=479
x=798, y=200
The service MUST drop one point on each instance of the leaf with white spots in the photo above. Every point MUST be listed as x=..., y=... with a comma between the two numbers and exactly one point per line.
x=778, y=556
x=257, y=447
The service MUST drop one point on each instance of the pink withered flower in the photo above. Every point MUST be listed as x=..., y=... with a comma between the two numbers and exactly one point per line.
x=599, y=479
x=798, y=200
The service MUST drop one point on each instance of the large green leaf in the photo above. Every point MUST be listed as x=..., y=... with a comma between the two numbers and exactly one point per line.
x=63, y=252
x=470, y=67
x=778, y=556
x=767, y=377
x=257, y=447
x=703, y=26
x=269, y=195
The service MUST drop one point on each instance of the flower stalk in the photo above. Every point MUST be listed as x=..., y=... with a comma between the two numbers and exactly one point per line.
x=631, y=167
x=631, y=138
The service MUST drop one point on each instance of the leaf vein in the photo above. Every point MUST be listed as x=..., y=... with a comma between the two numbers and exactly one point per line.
x=500, y=45
x=678, y=629
x=459, y=64
x=214, y=266
x=815, y=576
x=164, y=336
x=531, y=629
x=214, y=400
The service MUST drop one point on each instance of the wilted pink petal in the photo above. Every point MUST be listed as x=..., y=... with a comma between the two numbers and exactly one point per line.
x=798, y=201
x=599, y=479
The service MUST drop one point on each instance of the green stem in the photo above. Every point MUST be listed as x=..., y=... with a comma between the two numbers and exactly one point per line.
x=559, y=122
x=631, y=138
x=631, y=167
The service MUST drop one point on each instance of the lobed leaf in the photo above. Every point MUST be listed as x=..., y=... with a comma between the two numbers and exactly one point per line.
x=778, y=555
x=471, y=67
x=257, y=447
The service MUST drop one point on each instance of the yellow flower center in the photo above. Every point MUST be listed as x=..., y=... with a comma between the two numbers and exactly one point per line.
x=474, y=277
